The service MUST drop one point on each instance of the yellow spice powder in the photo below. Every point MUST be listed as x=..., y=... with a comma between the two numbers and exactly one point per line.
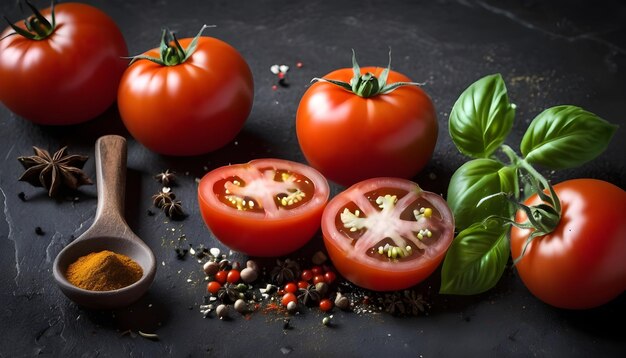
x=103, y=271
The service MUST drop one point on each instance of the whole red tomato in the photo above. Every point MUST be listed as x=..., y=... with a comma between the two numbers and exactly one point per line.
x=267, y=207
x=350, y=137
x=387, y=234
x=187, y=101
x=68, y=73
x=582, y=263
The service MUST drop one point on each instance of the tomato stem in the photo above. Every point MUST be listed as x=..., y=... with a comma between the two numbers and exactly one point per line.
x=37, y=26
x=542, y=218
x=172, y=53
x=367, y=85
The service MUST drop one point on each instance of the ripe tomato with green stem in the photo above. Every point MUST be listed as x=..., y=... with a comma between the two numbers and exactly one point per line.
x=62, y=65
x=359, y=123
x=187, y=97
x=266, y=207
x=387, y=234
x=573, y=257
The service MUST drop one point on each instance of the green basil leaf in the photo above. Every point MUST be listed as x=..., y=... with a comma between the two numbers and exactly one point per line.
x=482, y=117
x=476, y=259
x=475, y=180
x=565, y=137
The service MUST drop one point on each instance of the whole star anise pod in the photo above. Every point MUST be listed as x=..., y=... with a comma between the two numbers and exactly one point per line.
x=163, y=197
x=228, y=293
x=285, y=271
x=309, y=295
x=415, y=303
x=166, y=178
x=56, y=172
x=393, y=304
x=173, y=209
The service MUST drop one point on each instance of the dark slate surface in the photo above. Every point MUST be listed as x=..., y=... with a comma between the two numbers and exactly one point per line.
x=564, y=52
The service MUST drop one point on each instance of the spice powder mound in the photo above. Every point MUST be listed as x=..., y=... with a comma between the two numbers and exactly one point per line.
x=103, y=271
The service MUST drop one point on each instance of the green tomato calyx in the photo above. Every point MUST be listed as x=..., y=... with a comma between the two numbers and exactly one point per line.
x=367, y=85
x=37, y=26
x=543, y=218
x=172, y=52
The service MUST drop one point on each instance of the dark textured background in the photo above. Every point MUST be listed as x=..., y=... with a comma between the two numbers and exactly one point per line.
x=550, y=53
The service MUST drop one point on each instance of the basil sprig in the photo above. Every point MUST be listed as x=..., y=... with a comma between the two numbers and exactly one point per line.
x=484, y=192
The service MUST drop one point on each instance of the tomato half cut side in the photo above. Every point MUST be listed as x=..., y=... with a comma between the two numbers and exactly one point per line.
x=266, y=207
x=387, y=234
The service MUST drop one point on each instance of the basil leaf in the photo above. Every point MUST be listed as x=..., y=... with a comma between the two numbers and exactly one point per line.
x=475, y=180
x=476, y=259
x=565, y=137
x=482, y=117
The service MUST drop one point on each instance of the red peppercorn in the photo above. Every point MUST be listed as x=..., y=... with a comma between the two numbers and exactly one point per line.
x=303, y=284
x=330, y=277
x=317, y=270
x=288, y=297
x=307, y=275
x=318, y=278
x=221, y=276
x=291, y=287
x=299, y=64
x=326, y=305
x=233, y=276
x=213, y=287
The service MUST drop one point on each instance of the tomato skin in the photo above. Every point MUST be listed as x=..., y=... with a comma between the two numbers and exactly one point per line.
x=69, y=77
x=192, y=108
x=349, y=138
x=375, y=274
x=582, y=263
x=263, y=234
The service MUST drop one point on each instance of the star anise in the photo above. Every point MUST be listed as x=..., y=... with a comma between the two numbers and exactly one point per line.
x=166, y=178
x=309, y=295
x=393, y=304
x=228, y=293
x=285, y=271
x=173, y=209
x=56, y=172
x=414, y=302
x=163, y=197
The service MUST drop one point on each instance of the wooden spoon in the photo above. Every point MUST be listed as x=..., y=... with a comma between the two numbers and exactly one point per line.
x=109, y=231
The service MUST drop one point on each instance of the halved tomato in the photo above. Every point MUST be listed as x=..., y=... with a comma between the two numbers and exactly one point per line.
x=266, y=207
x=387, y=234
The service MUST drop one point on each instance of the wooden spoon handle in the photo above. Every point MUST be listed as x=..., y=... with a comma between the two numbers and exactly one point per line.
x=111, y=183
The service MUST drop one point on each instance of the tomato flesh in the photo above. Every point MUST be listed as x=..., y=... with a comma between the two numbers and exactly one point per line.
x=581, y=264
x=387, y=234
x=267, y=207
